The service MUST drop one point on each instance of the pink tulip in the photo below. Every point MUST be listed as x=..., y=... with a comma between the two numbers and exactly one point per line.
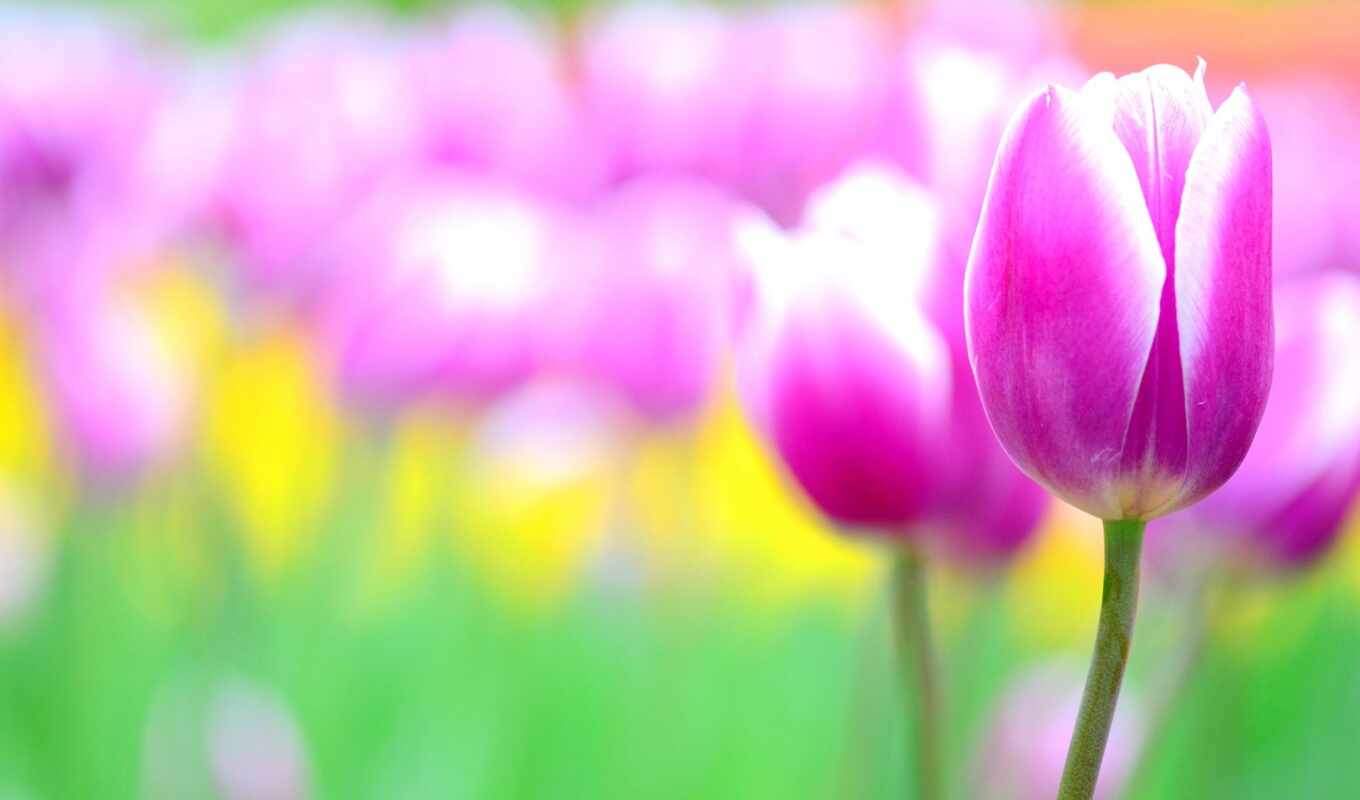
x=1314, y=131
x=77, y=99
x=438, y=286
x=1023, y=755
x=824, y=93
x=1287, y=502
x=844, y=374
x=1118, y=295
x=986, y=508
x=667, y=89
x=964, y=94
x=492, y=94
x=323, y=117
x=653, y=290
x=122, y=400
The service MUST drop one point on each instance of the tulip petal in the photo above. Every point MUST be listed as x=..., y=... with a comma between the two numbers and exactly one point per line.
x=1160, y=114
x=1062, y=297
x=1223, y=293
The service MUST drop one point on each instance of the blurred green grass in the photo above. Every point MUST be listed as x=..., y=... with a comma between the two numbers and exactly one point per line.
x=440, y=688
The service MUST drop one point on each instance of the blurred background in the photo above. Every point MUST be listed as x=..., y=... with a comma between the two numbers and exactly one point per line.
x=371, y=417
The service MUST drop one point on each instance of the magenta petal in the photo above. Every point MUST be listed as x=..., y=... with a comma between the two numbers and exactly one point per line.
x=849, y=381
x=1159, y=114
x=1223, y=293
x=1062, y=296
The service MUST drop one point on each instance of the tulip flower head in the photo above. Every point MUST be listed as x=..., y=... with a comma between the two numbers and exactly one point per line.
x=322, y=118
x=986, y=508
x=491, y=93
x=1118, y=293
x=653, y=289
x=123, y=397
x=438, y=285
x=846, y=376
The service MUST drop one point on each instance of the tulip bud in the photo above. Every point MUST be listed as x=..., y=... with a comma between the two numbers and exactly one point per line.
x=121, y=395
x=845, y=375
x=437, y=288
x=1118, y=293
x=321, y=119
x=651, y=293
x=986, y=508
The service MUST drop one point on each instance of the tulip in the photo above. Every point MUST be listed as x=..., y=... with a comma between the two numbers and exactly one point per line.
x=654, y=289
x=824, y=94
x=1118, y=310
x=491, y=94
x=986, y=509
x=122, y=398
x=1287, y=502
x=846, y=377
x=323, y=117
x=667, y=90
x=438, y=287
x=77, y=98
x=849, y=382
x=1315, y=125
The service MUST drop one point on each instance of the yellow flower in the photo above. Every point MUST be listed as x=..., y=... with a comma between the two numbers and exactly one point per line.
x=1056, y=584
x=771, y=542
x=535, y=494
x=420, y=477
x=25, y=432
x=273, y=435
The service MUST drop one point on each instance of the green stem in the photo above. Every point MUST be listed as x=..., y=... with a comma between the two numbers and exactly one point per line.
x=1123, y=542
x=917, y=664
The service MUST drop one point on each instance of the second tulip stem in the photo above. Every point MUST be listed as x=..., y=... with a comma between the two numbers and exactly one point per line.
x=916, y=661
x=1119, y=601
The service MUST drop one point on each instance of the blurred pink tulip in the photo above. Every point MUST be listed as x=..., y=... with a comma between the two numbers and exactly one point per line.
x=1315, y=138
x=1287, y=502
x=964, y=96
x=986, y=508
x=323, y=116
x=1118, y=295
x=844, y=374
x=652, y=289
x=492, y=95
x=439, y=286
x=823, y=96
x=1023, y=756
x=121, y=399
x=77, y=97
x=667, y=88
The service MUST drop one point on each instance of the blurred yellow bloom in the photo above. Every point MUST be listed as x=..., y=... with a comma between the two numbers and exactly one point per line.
x=426, y=452
x=273, y=436
x=25, y=432
x=772, y=541
x=534, y=498
x=183, y=305
x=1056, y=584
